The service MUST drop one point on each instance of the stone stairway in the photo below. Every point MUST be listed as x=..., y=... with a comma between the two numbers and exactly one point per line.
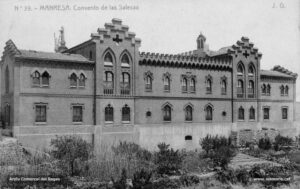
x=243, y=160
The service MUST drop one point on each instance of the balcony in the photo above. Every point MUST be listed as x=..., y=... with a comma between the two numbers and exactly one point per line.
x=125, y=91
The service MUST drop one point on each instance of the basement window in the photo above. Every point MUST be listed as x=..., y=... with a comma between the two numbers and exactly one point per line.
x=188, y=137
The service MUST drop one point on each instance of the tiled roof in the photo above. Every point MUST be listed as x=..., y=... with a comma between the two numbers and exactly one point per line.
x=274, y=73
x=29, y=54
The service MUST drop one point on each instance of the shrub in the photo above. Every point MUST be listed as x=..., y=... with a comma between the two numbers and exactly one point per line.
x=222, y=156
x=141, y=179
x=168, y=161
x=226, y=176
x=264, y=143
x=166, y=183
x=282, y=141
x=242, y=176
x=71, y=151
x=189, y=180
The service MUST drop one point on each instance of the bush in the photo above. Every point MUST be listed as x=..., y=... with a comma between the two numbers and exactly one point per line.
x=264, y=143
x=189, y=180
x=71, y=151
x=141, y=179
x=219, y=149
x=168, y=161
x=226, y=176
x=282, y=141
x=166, y=183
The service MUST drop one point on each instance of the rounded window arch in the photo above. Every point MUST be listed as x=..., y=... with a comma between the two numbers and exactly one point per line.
x=167, y=83
x=73, y=80
x=286, y=90
x=184, y=84
x=268, y=91
x=240, y=68
x=223, y=86
x=167, y=113
x=82, y=79
x=252, y=113
x=240, y=85
x=264, y=89
x=241, y=115
x=193, y=85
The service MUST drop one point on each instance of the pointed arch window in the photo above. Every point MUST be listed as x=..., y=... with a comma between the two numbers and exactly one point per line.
x=188, y=113
x=184, y=84
x=223, y=85
x=251, y=113
x=240, y=69
x=108, y=84
x=6, y=80
x=73, y=80
x=282, y=90
x=264, y=89
x=109, y=113
x=240, y=89
x=125, y=84
x=241, y=115
x=148, y=77
x=208, y=86
x=251, y=70
x=286, y=91
x=167, y=113
x=193, y=85
x=125, y=60
x=108, y=59
x=251, y=89
x=268, y=90
x=208, y=113
x=36, y=77
x=167, y=83
x=82, y=79
x=126, y=113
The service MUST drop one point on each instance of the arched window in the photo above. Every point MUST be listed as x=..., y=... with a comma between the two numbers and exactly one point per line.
x=108, y=59
x=125, y=84
x=240, y=69
x=241, y=113
x=6, y=80
x=73, y=80
x=167, y=113
x=193, y=85
x=223, y=87
x=126, y=113
x=282, y=90
x=240, y=88
x=108, y=84
x=208, y=113
x=167, y=83
x=251, y=70
x=286, y=90
x=188, y=113
x=268, y=90
x=125, y=61
x=148, y=83
x=251, y=89
x=36, y=78
x=109, y=113
x=251, y=113
x=45, y=78
x=263, y=89
x=208, y=86
x=184, y=84
x=82, y=79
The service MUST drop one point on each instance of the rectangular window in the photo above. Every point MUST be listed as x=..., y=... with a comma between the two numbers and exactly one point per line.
x=41, y=113
x=77, y=113
x=266, y=113
x=284, y=112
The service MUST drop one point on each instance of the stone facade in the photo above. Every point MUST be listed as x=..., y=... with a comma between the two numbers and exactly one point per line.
x=107, y=90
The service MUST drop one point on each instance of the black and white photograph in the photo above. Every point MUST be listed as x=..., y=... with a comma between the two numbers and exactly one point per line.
x=149, y=94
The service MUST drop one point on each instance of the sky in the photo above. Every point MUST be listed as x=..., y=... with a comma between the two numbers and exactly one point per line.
x=165, y=26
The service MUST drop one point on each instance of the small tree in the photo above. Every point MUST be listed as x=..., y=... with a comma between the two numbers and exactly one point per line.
x=168, y=160
x=69, y=149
